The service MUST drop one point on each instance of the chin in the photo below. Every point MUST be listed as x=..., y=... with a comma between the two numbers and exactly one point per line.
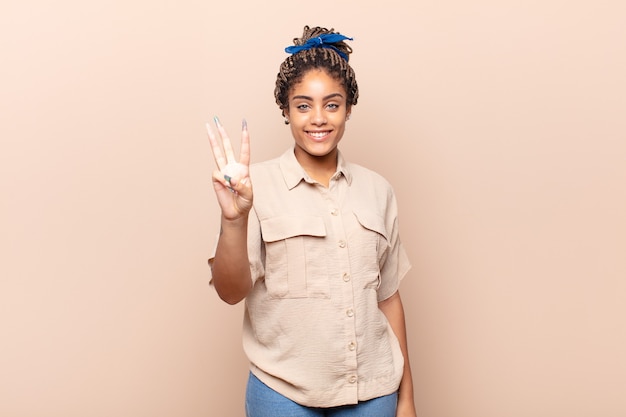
x=320, y=151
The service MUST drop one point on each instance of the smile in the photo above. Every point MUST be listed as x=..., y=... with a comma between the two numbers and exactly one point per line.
x=318, y=135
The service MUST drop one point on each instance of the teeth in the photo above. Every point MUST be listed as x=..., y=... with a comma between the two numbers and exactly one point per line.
x=318, y=134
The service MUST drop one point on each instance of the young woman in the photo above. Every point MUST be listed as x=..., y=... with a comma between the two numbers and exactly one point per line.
x=315, y=252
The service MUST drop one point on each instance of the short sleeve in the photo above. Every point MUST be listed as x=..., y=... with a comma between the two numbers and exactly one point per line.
x=256, y=253
x=396, y=264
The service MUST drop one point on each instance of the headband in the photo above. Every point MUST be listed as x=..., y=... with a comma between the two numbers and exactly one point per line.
x=326, y=40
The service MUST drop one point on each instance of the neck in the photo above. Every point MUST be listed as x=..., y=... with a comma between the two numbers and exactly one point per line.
x=320, y=168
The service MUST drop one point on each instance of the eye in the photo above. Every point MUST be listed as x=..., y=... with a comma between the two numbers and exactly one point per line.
x=332, y=106
x=302, y=107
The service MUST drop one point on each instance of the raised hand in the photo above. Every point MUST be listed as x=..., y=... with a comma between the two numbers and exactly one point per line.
x=231, y=179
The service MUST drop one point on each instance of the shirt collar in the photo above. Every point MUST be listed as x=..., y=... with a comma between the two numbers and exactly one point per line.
x=293, y=173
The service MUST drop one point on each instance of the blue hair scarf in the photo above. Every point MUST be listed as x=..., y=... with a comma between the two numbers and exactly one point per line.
x=325, y=40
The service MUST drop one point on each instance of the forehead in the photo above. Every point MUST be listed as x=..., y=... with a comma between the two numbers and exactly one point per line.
x=317, y=82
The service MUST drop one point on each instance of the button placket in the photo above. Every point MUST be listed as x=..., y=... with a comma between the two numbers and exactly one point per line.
x=335, y=216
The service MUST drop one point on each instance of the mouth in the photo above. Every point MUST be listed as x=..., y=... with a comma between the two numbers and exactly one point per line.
x=318, y=135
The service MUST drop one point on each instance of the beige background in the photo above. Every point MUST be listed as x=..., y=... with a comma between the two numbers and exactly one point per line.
x=500, y=123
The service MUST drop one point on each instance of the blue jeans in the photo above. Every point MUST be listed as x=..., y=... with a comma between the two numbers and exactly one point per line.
x=262, y=401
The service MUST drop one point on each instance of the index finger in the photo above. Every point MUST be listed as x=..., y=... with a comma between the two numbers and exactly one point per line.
x=228, y=147
x=216, y=149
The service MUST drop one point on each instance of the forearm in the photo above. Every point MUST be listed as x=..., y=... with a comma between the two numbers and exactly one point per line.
x=231, y=267
x=394, y=311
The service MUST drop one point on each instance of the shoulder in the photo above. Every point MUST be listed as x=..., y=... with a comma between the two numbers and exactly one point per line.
x=265, y=165
x=260, y=171
x=366, y=177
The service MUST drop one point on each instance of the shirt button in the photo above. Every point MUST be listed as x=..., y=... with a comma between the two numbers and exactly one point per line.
x=352, y=379
x=334, y=212
x=349, y=312
x=351, y=345
x=342, y=243
x=346, y=277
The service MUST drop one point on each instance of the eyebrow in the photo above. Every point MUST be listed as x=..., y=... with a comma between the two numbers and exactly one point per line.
x=328, y=97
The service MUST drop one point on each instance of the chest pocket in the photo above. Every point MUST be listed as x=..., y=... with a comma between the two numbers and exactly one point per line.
x=372, y=241
x=295, y=257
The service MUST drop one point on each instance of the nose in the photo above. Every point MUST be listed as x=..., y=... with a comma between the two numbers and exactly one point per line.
x=318, y=117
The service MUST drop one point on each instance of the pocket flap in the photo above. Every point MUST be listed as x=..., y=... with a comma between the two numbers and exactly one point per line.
x=283, y=227
x=372, y=221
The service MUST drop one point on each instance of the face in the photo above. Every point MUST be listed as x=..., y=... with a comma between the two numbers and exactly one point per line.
x=317, y=115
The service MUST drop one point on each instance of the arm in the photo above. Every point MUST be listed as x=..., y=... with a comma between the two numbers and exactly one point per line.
x=233, y=189
x=230, y=267
x=394, y=311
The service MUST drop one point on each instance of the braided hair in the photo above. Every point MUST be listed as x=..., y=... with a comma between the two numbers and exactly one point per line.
x=295, y=66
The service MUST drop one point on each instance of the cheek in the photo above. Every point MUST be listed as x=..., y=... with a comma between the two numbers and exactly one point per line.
x=297, y=120
x=340, y=121
x=293, y=129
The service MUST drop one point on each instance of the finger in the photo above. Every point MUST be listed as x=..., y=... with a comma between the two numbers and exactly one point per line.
x=243, y=186
x=243, y=190
x=220, y=183
x=228, y=147
x=216, y=149
x=244, y=151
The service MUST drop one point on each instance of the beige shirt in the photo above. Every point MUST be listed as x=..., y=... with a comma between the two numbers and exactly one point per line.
x=321, y=260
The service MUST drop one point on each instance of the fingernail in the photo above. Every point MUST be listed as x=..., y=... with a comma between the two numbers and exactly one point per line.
x=217, y=121
x=227, y=178
x=244, y=124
